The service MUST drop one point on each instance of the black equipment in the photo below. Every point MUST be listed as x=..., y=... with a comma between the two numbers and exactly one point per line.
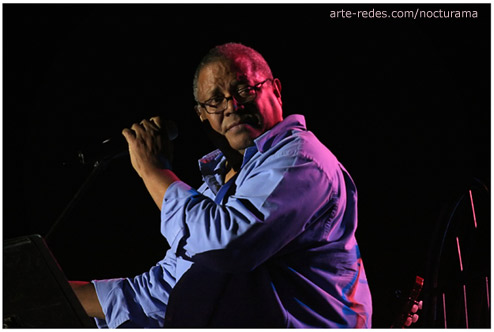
x=36, y=293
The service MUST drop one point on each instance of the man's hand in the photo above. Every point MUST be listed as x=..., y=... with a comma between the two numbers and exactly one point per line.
x=149, y=146
x=150, y=154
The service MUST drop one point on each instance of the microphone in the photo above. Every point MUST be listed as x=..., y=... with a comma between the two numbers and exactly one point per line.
x=116, y=147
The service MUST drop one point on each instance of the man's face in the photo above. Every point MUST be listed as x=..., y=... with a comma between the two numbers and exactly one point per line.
x=240, y=124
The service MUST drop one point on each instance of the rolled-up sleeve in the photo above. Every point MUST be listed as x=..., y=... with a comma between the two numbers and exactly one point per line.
x=140, y=301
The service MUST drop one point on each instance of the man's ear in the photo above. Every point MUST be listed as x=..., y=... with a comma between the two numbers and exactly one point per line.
x=277, y=88
x=200, y=113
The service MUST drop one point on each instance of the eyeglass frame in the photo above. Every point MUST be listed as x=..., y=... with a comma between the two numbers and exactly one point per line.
x=256, y=87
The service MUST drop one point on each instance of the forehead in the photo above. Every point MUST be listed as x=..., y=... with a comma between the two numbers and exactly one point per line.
x=217, y=72
x=227, y=71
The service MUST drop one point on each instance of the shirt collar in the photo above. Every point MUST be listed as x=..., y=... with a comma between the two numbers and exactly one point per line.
x=282, y=129
x=212, y=165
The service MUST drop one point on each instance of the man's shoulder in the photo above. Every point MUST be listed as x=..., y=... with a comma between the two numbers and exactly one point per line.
x=303, y=146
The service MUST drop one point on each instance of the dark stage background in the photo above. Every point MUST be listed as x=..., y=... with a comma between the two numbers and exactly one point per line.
x=403, y=103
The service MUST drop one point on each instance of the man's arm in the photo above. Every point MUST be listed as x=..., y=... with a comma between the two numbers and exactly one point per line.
x=86, y=293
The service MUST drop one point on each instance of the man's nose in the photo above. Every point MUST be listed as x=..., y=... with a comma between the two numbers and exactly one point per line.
x=233, y=106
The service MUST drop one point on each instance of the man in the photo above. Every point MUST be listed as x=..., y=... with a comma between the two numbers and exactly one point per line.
x=266, y=241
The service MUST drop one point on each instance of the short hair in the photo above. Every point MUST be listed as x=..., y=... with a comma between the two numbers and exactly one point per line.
x=228, y=51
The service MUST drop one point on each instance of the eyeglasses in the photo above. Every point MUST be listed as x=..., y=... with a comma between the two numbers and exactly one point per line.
x=244, y=95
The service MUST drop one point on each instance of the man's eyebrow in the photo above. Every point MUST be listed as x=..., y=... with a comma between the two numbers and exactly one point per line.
x=240, y=81
x=233, y=85
x=213, y=93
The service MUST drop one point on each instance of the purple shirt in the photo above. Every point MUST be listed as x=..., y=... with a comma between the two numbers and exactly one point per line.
x=291, y=208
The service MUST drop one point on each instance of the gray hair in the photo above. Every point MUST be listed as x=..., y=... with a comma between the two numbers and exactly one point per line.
x=229, y=51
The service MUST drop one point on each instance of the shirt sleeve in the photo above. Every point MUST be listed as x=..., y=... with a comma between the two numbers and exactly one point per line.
x=273, y=203
x=140, y=301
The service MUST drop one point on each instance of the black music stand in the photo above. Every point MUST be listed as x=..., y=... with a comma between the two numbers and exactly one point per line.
x=36, y=293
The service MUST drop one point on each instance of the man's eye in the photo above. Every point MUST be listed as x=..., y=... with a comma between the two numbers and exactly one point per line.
x=245, y=92
x=215, y=101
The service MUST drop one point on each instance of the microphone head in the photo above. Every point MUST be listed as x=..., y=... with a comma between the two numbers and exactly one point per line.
x=171, y=129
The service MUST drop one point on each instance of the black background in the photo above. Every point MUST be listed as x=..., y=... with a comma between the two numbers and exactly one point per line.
x=404, y=104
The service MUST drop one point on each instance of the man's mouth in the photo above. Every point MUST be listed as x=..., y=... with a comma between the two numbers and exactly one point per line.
x=233, y=125
x=252, y=122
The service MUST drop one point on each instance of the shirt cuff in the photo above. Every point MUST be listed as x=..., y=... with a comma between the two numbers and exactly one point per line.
x=111, y=297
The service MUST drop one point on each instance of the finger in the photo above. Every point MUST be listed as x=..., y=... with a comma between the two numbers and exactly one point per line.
x=128, y=134
x=138, y=128
x=149, y=126
x=156, y=120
